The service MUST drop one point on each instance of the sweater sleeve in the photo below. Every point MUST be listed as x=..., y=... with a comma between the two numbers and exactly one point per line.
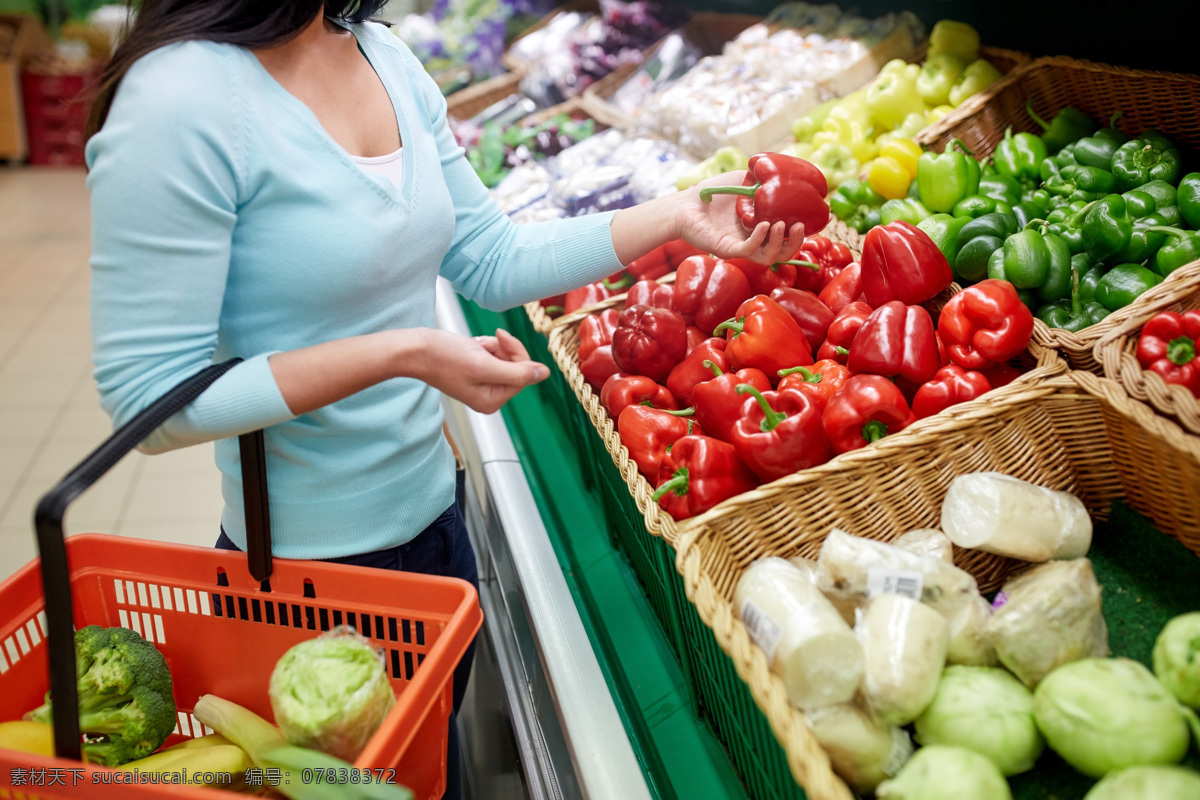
x=166, y=172
x=494, y=261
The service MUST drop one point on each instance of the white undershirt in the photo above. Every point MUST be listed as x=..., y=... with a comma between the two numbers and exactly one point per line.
x=390, y=166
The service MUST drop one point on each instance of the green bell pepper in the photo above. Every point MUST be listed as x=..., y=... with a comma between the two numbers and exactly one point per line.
x=1028, y=212
x=1112, y=132
x=943, y=180
x=1089, y=179
x=1097, y=150
x=1039, y=197
x=977, y=240
x=1189, y=198
x=1058, y=278
x=1184, y=248
x=1090, y=274
x=1001, y=187
x=1058, y=185
x=944, y=230
x=1139, y=204
x=1145, y=159
x=1073, y=315
x=974, y=206
x=1144, y=241
x=1069, y=125
x=1026, y=260
x=1164, y=194
x=1048, y=169
x=1170, y=216
x=938, y=76
x=1020, y=156
x=855, y=203
x=956, y=38
x=1123, y=284
x=1066, y=156
x=1084, y=196
x=978, y=76
x=1106, y=227
x=908, y=210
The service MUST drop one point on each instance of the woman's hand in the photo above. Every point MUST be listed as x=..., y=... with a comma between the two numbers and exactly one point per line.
x=484, y=372
x=715, y=227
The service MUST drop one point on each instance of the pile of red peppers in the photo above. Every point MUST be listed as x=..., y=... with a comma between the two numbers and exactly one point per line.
x=741, y=374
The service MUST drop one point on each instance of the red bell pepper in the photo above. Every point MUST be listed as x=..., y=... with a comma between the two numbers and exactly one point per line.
x=867, y=408
x=779, y=188
x=896, y=341
x=595, y=346
x=819, y=382
x=844, y=289
x=778, y=433
x=649, y=432
x=651, y=293
x=621, y=390
x=699, y=473
x=662, y=260
x=846, y=324
x=594, y=293
x=810, y=314
x=985, y=324
x=553, y=306
x=695, y=337
x=1000, y=374
x=828, y=256
x=764, y=336
x=717, y=402
x=649, y=341
x=950, y=386
x=765, y=278
x=692, y=370
x=900, y=262
x=708, y=291
x=1167, y=346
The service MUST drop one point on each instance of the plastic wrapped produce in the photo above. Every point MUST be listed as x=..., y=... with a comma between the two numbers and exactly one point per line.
x=1000, y=514
x=864, y=751
x=522, y=187
x=1051, y=616
x=904, y=650
x=851, y=567
x=806, y=641
x=927, y=542
x=846, y=606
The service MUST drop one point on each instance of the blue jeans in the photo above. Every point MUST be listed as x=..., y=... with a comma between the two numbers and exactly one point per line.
x=441, y=549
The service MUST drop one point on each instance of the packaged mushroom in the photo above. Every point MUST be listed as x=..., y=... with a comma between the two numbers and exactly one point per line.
x=805, y=639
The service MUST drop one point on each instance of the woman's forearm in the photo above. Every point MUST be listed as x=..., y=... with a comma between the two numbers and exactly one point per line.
x=638, y=230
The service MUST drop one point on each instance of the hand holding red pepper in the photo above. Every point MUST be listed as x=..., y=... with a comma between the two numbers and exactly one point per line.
x=845, y=326
x=779, y=188
x=649, y=341
x=717, y=401
x=819, y=382
x=649, y=432
x=1167, y=347
x=985, y=324
x=778, y=433
x=709, y=290
x=621, y=390
x=867, y=408
x=950, y=386
x=764, y=336
x=900, y=262
x=699, y=473
x=692, y=370
x=896, y=341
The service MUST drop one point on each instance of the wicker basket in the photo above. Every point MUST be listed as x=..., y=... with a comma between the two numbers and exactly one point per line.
x=1046, y=432
x=782, y=507
x=466, y=103
x=1167, y=101
x=543, y=323
x=1116, y=353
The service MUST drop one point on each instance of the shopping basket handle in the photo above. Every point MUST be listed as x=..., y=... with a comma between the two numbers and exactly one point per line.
x=48, y=520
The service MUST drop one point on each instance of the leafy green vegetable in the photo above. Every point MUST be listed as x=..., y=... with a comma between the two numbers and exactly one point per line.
x=126, y=703
x=1177, y=658
x=331, y=693
x=938, y=772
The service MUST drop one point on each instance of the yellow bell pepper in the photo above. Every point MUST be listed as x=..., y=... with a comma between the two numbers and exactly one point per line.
x=903, y=151
x=895, y=66
x=852, y=107
x=851, y=133
x=804, y=127
x=889, y=177
x=798, y=149
x=35, y=738
x=937, y=112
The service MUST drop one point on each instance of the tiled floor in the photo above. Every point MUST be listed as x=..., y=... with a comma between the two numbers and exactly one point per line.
x=50, y=415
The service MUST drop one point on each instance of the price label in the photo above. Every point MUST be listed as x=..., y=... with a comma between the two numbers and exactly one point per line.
x=895, y=581
x=763, y=630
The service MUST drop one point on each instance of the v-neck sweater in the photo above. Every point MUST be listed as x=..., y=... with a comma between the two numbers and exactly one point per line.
x=226, y=222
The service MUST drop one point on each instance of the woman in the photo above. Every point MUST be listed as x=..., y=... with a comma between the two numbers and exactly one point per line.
x=277, y=182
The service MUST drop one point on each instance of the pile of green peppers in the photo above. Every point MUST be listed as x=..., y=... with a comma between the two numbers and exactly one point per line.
x=1081, y=220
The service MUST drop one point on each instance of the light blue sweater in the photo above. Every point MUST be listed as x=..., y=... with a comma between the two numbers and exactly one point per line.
x=226, y=222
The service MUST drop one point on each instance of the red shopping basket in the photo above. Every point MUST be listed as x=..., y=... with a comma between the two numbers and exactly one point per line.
x=222, y=619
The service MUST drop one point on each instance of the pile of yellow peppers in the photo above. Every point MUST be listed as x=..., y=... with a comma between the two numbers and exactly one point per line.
x=844, y=137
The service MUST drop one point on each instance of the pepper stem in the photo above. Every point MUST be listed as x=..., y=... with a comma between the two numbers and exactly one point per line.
x=961, y=145
x=795, y=263
x=1033, y=115
x=745, y=191
x=1075, y=220
x=771, y=417
x=620, y=285
x=691, y=424
x=715, y=369
x=1165, y=229
x=1076, y=305
x=1038, y=221
x=874, y=430
x=683, y=412
x=1112, y=122
x=808, y=375
x=1182, y=350
x=553, y=309
x=730, y=325
x=841, y=351
x=677, y=484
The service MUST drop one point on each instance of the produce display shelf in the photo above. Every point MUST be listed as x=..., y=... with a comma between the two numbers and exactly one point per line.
x=678, y=751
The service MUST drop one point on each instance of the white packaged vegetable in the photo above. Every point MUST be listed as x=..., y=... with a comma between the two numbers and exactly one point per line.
x=864, y=751
x=927, y=542
x=1051, y=617
x=904, y=644
x=853, y=568
x=1000, y=514
x=805, y=639
x=846, y=606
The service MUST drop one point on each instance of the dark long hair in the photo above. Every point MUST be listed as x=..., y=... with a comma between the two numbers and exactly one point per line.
x=248, y=23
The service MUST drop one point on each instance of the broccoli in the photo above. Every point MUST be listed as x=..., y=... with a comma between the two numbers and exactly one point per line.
x=126, y=702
